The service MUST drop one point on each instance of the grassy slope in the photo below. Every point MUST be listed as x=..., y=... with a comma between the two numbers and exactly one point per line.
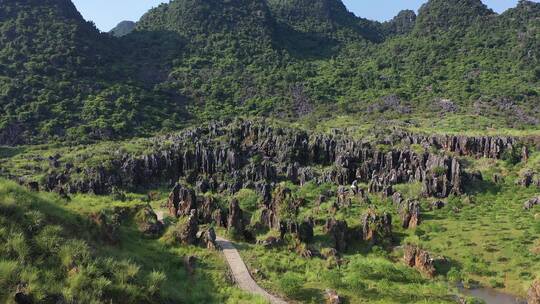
x=39, y=230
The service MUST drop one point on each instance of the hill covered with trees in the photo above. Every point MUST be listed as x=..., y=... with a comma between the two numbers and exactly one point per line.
x=189, y=61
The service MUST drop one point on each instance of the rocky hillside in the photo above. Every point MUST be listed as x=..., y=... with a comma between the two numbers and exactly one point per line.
x=231, y=156
x=309, y=202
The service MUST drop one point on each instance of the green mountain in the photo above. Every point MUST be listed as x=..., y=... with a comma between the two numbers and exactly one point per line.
x=401, y=24
x=316, y=140
x=192, y=60
x=123, y=28
x=61, y=78
x=443, y=15
x=244, y=25
x=327, y=18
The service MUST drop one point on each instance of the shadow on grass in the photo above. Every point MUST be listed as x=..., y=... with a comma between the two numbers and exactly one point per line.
x=310, y=295
x=152, y=254
x=482, y=187
x=8, y=152
x=149, y=254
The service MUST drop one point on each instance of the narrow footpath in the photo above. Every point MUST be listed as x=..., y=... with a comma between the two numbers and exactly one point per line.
x=241, y=275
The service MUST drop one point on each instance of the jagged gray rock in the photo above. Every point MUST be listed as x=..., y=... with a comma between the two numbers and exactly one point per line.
x=338, y=231
x=376, y=227
x=235, y=221
x=528, y=205
x=283, y=154
x=410, y=214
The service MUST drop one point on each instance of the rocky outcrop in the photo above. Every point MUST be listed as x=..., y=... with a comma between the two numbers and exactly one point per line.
x=282, y=206
x=420, y=259
x=207, y=208
x=437, y=205
x=533, y=295
x=338, y=231
x=442, y=177
x=219, y=217
x=376, y=227
x=181, y=201
x=23, y=298
x=481, y=146
x=528, y=205
x=256, y=155
x=148, y=223
x=525, y=154
x=397, y=199
x=190, y=263
x=498, y=179
x=305, y=231
x=526, y=179
x=208, y=239
x=189, y=229
x=235, y=221
x=270, y=242
x=410, y=214
x=30, y=185
x=332, y=297
x=344, y=197
x=302, y=231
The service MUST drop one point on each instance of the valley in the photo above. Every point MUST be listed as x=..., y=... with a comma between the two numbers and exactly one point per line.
x=282, y=151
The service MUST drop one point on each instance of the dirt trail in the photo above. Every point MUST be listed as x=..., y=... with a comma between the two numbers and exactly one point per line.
x=239, y=270
x=241, y=274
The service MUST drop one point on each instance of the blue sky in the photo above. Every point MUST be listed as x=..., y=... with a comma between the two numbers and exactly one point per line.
x=106, y=13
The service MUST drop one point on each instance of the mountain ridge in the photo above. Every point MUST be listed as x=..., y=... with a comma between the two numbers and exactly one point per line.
x=281, y=58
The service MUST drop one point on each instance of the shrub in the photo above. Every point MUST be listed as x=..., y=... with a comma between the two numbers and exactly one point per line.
x=34, y=220
x=512, y=156
x=49, y=239
x=74, y=253
x=18, y=247
x=8, y=275
x=439, y=171
x=248, y=199
x=291, y=283
x=86, y=285
x=125, y=272
x=454, y=275
x=154, y=281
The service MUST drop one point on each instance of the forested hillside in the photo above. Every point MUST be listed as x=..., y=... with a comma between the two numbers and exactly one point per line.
x=190, y=61
x=61, y=78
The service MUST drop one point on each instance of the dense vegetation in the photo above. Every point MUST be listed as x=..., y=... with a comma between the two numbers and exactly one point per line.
x=192, y=60
x=58, y=73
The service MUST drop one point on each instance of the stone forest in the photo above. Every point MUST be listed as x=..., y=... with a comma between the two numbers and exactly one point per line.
x=270, y=151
